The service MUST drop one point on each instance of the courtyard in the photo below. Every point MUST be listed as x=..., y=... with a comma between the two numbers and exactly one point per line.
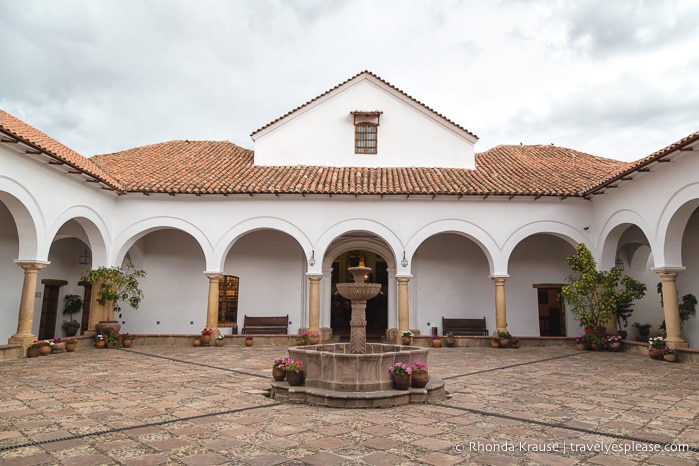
x=153, y=405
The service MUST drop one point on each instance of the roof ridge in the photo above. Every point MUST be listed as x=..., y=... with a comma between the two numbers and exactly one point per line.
x=383, y=81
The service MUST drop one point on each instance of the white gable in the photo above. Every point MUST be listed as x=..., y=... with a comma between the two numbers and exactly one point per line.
x=322, y=132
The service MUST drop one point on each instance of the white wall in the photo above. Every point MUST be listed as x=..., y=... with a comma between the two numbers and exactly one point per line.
x=12, y=275
x=322, y=133
x=271, y=267
x=450, y=279
x=175, y=288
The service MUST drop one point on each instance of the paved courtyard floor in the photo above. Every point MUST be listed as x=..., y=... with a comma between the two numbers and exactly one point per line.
x=205, y=406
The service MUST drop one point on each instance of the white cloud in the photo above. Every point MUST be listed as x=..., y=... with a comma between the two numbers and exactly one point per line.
x=612, y=79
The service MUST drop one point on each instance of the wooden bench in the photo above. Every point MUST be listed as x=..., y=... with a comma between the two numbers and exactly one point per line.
x=464, y=326
x=265, y=325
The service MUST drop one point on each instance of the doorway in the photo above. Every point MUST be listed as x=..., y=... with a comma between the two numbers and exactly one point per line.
x=552, y=321
x=376, y=308
x=49, y=308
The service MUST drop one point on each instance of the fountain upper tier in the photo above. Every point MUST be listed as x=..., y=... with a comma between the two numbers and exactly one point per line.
x=358, y=291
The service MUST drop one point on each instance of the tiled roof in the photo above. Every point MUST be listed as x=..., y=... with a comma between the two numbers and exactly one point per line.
x=367, y=73
x=641, y=164
x=221, y=167
x=18, y=130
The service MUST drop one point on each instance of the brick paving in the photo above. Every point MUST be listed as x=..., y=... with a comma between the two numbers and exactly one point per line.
x=155, y=405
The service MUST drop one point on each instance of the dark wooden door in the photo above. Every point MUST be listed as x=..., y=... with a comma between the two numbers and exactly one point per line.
x=49, y=308
x=552, y=322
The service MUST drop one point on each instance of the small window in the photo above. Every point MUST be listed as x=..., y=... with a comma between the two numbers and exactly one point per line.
x=365, y=138
x=366, y=128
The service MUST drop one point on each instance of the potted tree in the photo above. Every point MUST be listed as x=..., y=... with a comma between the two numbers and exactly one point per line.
x=593, y=295
x=73, y=304
x=115, y=285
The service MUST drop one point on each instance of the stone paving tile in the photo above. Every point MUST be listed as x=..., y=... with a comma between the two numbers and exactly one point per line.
x=205, y=407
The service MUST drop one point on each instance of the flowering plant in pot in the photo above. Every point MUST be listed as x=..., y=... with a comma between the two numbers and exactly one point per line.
x=294, y=372
x=400, y=368
x=420, y=377
x=248, y=340
x=100, y=337
x=401, y=372
x=207, y=331
x=279, y=368
x=669, y=354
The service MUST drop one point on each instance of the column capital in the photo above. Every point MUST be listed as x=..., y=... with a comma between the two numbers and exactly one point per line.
x=403, y=278
x=31, y=265
x=314, y=277
x=499, y=279
x=668, y=273
x=213, y=275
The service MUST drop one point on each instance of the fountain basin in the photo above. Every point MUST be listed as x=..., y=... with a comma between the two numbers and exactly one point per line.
x=334, y=367
x=358, y=291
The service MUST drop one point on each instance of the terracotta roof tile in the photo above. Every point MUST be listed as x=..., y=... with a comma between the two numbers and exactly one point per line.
x=221, y=167
x=20, y=131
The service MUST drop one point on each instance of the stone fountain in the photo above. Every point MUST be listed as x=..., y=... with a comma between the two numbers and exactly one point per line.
x=355, y=375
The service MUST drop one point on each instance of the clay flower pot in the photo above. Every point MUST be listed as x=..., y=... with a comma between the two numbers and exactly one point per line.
x=420, y=379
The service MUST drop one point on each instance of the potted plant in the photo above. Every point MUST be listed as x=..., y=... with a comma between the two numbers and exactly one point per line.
x=279, y=368
x=206, y=335
x=505, y=338
x=58, y=345
x=100, y=340
x=669, y=354
x=112, y=339
x=248, y=340
x=420, y=376
x=72, y=304
x=196, y=341
x=596, y=342
x=301, y=339
x=294, y=372
x=516, y=343
x=593, y=295
x=406, y=337
x=451, y=341
x=313, y=338
x=643, y=330
x=219, y=340
x=115, y=285
x=401, y=373
x=127, y=339
x=436, y=342
x=655, y=347
x=71, y=345
x=495, y=341
x=45, y=347
x=614, y=343
x=33, y=350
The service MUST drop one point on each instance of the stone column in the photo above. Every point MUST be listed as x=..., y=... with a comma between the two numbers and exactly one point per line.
x=403, y=310
x=24, y=335
x=500, y=308
x=358, y=327
x=671, y=307
x=314, y=302
x=212, y=304
x=98, y=312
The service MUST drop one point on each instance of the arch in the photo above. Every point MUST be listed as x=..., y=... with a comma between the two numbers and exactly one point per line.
x=392, y=243
x=94, y=226
x=226, y=242
x=559, y=229
x=672, y=223
x=611, y=233
x=470, y=230
x=27, y=216
x=126, y=239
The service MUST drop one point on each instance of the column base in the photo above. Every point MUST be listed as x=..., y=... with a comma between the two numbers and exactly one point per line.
x=24, y=340
x=676, y=343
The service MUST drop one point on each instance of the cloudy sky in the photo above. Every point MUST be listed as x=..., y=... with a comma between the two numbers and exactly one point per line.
x=612, y=78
